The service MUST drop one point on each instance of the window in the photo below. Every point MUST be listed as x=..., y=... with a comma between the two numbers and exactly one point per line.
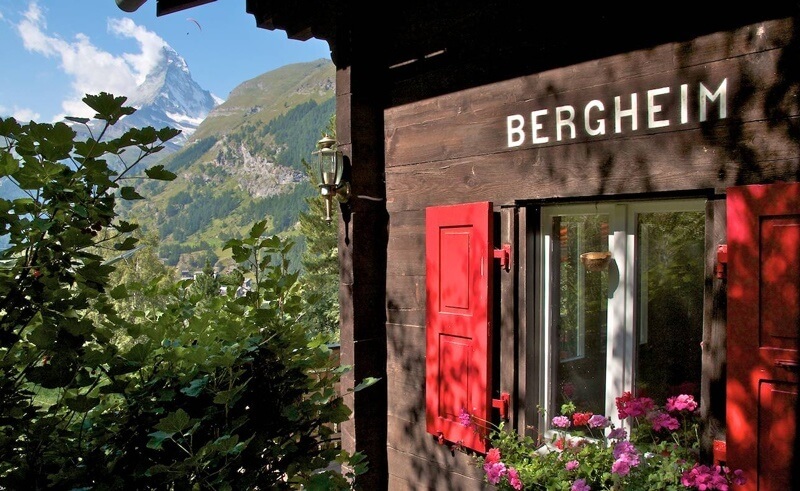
x=632, y=324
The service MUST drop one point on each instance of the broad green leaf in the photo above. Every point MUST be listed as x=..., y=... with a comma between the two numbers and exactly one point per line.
x=129, y=193
x=291, y=412
x=143, y=136
x=231, y=243
x=226, y=443
x=91, y=148
x=318, y=482
x=157, y=439
x=109, y=108
x=157, y=469
x=160, y=173
x=174, y=422
x=226, y=396
x=240, y=254
x=60, y=140
x=81, y=403
x=95, y=357
x=119, y=292
x=9, y=127
x=125, y=227
x=258, y=229
x=43, y=336
x=22, y=204
x=166, y=134
x=196, y=387
x=42, y=224
x=127, y=244
x=75, y=119
x=139, y=353
x=8, y=164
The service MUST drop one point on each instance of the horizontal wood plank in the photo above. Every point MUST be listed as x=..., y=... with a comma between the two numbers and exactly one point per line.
x=681, y=161
x=409, y=472
x=700, y=51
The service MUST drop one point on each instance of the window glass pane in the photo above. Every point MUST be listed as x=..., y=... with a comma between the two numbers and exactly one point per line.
x=579, y=306
x=670, y=252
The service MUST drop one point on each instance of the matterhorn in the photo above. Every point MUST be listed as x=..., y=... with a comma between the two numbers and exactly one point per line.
x=169, y=96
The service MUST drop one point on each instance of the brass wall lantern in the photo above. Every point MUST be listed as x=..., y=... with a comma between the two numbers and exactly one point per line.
x=331, y=167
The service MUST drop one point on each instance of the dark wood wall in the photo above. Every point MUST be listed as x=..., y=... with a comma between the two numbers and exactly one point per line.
x=453, y=149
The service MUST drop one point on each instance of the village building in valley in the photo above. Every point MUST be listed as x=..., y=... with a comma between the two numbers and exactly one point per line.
x=491, y=150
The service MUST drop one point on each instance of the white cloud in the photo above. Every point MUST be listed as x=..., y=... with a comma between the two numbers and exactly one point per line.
x=92, y=69
x=21, y=114
x=149, y=42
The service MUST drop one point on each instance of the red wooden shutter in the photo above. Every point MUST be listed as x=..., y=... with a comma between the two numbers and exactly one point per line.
x=459, y=307
x=763, y=324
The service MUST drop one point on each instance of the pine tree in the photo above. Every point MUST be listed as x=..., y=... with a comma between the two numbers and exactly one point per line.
x=206, y=283
x=320, y=260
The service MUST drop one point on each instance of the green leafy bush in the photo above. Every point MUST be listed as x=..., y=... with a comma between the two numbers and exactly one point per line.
x=187, y=391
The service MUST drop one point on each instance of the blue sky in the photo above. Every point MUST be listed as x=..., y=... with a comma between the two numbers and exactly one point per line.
x=55, y=51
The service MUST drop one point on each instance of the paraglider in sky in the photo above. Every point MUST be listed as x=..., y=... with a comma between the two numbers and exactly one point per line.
x=196, y=23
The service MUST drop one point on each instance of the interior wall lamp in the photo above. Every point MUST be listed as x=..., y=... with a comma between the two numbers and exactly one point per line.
x=331, y=168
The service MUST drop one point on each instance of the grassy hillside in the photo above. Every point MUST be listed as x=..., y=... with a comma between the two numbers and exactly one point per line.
x=243, y=164
x=272, y=94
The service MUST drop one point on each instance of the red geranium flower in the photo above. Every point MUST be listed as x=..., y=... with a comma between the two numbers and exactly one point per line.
x=581, y=419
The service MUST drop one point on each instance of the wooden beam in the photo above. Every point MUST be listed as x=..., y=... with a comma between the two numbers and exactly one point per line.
x=300, y=20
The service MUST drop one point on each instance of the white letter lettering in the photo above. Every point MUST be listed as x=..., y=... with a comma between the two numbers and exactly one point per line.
x=601, y=123
x=514, y=126
x=567, y=121
x=684, y=103
x=619, y=113
x=653, y=108
x=721, y=94
x=536, y=126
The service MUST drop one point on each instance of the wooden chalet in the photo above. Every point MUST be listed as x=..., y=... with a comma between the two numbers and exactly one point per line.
x=489, y=146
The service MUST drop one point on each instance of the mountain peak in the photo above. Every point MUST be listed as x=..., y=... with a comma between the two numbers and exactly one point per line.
x=168, y=97
x=170, y=93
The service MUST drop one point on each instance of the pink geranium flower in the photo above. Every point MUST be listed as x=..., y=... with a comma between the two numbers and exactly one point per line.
x=513, y=478
x=682, y=402
x=561, y=422
x=617, y=434
x=627, y=405
x=626, y=457
x=598, y=421
x=464, y=418
x=663, y=421
x=703, y=477
x=580, y=485
x=492, y=456
x=494, y=471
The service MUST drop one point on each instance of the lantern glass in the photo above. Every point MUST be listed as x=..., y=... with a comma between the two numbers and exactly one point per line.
x=330, y=167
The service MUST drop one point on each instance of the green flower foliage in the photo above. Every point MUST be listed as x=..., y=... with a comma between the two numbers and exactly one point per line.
x=185, y=390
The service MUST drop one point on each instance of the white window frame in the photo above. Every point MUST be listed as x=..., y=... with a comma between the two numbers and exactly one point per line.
x=622, y=303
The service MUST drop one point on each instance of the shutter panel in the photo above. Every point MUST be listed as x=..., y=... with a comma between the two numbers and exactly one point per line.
x=763, y=321
x=458, y=316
